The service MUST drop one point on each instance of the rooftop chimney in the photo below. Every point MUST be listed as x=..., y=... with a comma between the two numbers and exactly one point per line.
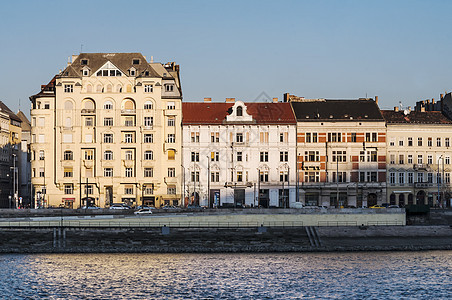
x=376, y=99
x=275, y=100
x=230, y=100
x=422, y=108
x=433, y=100
x=396, y=108
x=152, y=59
x=74, y=57
x=441, y=96
x=207, y=99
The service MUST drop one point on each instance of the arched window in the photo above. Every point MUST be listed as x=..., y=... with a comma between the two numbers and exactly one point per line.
x=118, y=88
x=68, y=105
x=129, y=88
x=129, y=155
x=88, y=104
x=148, y=155
x=108, y=105
x=68, y=155
x=68, y=122
x=109, y=88
x=128, y=104
x=148, y=105
x=89, y=88
x=99, y=88
x=239, y=111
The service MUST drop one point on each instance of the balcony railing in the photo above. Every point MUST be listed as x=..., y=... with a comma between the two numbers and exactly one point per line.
x=128, y=111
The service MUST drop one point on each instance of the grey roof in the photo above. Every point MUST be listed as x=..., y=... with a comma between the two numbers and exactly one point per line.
x=121, y=60
x=6, y=110
x=333, y=110
x=26, y=126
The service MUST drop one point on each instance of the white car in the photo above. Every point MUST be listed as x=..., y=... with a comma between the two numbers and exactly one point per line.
x=119, y=206
x=143, y=211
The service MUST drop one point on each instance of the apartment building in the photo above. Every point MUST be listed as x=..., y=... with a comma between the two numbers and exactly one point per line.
x=105, y=130
x=419, y=157
x=10, y=137
x=341, y=151
x=238, y=154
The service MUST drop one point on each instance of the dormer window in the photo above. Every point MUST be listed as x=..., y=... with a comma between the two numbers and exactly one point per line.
x=84, y=62
x=108, y=69
x=136, y=62
x=85, y=72
x=169, y=87
x=68, y=88
x=132, y=72
x=239, y=111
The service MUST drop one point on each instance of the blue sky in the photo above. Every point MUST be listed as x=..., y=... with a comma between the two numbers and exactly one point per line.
x=398, y=50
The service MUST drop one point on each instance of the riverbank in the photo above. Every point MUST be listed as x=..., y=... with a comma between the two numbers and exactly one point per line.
x=208, y=240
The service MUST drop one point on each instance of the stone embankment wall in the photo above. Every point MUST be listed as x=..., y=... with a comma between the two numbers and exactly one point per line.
x=253, y=239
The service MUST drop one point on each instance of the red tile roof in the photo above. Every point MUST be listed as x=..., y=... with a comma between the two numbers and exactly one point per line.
x=211, y=113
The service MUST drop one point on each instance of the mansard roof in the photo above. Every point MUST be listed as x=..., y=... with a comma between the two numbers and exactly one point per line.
x=214, y=113
x=337, y=110
x=415, y=117
x=123, y=61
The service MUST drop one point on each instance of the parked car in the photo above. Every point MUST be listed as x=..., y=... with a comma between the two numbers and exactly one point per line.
x=393, y=206
x=144, y=207
x=297, y=205
x=377, y=206
x=170, y=207
x=91, y=207
x=120, y=206
x=143, y=211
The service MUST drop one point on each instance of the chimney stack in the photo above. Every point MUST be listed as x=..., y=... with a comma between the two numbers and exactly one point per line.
x=396, y=108
x=441, y=96
x=376, y=99
x=230, y=100
x=275, y=100
x=207, y=99
x=152, y=58
x=422, y=108
x=433, y=100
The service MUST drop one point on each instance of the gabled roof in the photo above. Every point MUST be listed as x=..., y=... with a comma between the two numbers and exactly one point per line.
x=122, y=61
x=337, y=110
x=26, y=126
x=415, y=117
x=214, y=113
x=7, y=111
x=46, y=90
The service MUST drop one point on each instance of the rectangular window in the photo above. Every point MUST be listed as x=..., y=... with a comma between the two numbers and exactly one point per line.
x=129, y=138
x=41, y=155
x=430, y=177
x=392, y=159
x=239, y=176
x=447, y=160
x=401, y=178
x=129, y=121
x=430, y=159
x=263, y=137
x=374, y=137
x=148, y=172
x=392, y=178
x=89, y=154
x=263, y=176
x=41, y=138
x=68, y=88
x=308, y=137
x=171, y=105
x=108, y=138
x=41, y=122
x=108, y=121
x=419, y=159
x=215, y=176
x=41, y=172
x=171, y=172
x=108, y=172
x=239, y=137
x=353, y=137
x=108, y=155
x=148, y=121
x=447, y=177
x=128, y=190
x=419, y=141
x=429, y=142
x=215, y=137
x=239, y=156
x=214, y=156
x=420, y=177
x=334, y=137
x=311, y=156
x=68, y=189
x=68, y=172
x=171, y=190
x=148, y=88
x=401, y=159
x=195, y=137
x=89, y=189
x=362, y=156
x=129, y=172
x=195, y=156
x=447, y=142
x=410, y=178
x=148, y=138
x=410, y=158
x=339, y=156
x=438, y=142
x=89, y=121
x=401, y=142
x=312, y=177
x=283, y=137
x=367, y=136
x=410, y=142
x=171, y=138
x=88, y=138
x=263, y=157
x=171, y=122
x=283, y=176
x=195, y=176
x=284, y=156
x=169, y=87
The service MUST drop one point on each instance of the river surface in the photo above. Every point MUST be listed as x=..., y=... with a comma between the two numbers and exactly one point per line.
x=358, y=275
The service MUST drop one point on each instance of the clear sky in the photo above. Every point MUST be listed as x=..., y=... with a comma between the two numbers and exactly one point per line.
x=398, y=50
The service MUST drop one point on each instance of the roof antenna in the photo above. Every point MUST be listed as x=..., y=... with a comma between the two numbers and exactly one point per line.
x=19, y=104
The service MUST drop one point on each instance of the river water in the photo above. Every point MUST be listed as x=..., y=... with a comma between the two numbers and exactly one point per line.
x=348, y=275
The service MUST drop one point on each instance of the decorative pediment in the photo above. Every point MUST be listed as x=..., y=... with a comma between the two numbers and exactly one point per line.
x=108, y=69
x=239, y=113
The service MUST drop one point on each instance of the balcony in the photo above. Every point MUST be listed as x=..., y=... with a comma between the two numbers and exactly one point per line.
x=170, y=180
x=170, y=112
x=421, y=167
x=238, y=184
x=88, y=111
x=128, y=111
x=423, y=185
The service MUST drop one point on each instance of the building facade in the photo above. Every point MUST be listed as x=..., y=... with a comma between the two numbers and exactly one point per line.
x=238, y=154
x=341, y=152
x=10, y=138
x=419, y=157
x=105, y=130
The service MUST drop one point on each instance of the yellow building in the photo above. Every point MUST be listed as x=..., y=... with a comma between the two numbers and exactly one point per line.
x=106, y=130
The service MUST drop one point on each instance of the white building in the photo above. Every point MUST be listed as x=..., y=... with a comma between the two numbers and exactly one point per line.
x=239, y=154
